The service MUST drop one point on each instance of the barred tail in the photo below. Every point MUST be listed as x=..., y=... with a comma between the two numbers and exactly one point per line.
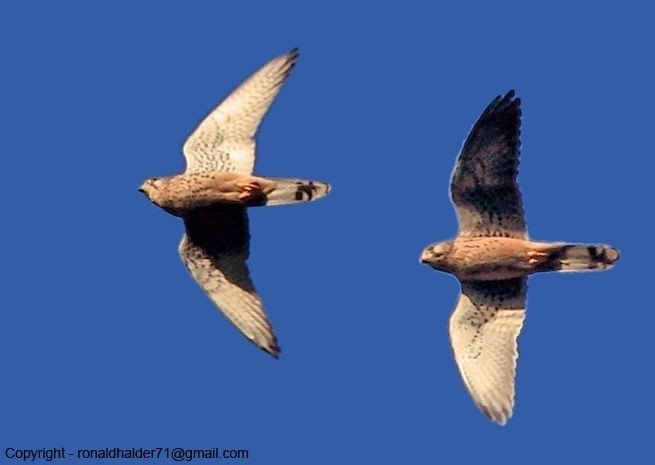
x=296, y=190
x=581, y=257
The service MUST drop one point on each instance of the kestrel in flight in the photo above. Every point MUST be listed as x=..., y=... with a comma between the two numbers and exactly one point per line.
x=492, y=256
x=212, y=195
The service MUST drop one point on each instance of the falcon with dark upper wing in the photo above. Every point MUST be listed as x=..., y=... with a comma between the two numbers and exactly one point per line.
x=492, y=257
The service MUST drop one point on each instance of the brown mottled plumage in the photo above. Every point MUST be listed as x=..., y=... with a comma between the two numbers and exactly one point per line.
x=212, y=195
x=492, y=257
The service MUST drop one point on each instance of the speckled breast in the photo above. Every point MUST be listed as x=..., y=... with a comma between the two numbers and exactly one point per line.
x=489, y=258
x=186, y=192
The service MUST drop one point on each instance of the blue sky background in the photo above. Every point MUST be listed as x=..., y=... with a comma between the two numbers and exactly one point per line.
x=107, y=342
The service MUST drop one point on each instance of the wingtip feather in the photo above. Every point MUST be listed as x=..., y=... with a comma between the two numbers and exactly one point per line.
x=274, y=350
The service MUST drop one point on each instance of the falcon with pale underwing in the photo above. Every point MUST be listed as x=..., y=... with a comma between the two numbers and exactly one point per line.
x=214, y=192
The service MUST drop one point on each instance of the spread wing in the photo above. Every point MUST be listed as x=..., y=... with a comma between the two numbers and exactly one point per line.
x=483, y=186
x=215, y=249
x=224, y=140
x=483, y=333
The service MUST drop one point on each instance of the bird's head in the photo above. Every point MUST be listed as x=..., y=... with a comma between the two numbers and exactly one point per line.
x=435, y=254
x=153, y=189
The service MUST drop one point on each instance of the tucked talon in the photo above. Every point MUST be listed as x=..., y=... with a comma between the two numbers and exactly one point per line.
x=534, y=253
x=250, y=188
x=535, y=257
